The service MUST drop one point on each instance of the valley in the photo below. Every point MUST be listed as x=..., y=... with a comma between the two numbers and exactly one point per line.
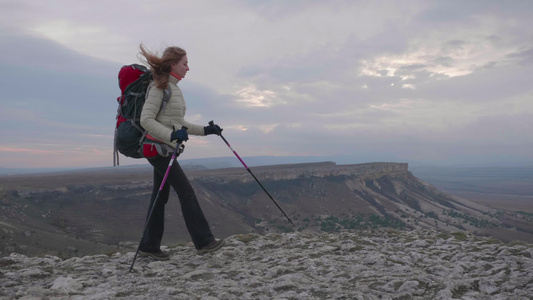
x=78, y=213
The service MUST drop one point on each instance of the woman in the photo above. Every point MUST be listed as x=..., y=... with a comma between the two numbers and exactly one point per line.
x=160, y=123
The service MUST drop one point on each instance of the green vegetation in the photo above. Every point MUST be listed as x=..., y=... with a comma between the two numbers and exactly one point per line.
x=335, y=224
x=472, y=221
x=330, y=224
x=524, y=213
x=285, y=229
x=432, y=215
x=491, y=241
x=246, y=238
x=460, y=236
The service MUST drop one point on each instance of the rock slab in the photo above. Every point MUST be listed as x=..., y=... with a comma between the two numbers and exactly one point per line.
x=347, y=265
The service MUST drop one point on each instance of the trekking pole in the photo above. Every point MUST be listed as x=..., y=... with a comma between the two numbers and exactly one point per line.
x=211, y=123
x=177, y=151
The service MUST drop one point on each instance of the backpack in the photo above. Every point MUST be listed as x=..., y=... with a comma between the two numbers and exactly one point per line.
x=134, y=82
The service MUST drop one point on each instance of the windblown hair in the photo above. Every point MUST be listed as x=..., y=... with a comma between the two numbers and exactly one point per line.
x=161, y=66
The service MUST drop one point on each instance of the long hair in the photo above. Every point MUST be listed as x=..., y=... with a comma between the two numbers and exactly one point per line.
x=161, y=66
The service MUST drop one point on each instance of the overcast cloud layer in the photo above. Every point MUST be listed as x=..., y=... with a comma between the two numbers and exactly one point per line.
x=440, y=82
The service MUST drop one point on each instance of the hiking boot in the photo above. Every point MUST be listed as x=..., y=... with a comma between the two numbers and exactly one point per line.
x=160, y=255
x=211, y=247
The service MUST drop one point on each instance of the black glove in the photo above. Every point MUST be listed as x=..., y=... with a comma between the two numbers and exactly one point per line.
x=212, y=129
x=181, y=135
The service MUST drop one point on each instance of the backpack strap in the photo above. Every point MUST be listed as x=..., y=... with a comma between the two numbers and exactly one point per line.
x=167, y=93
x=166, y=97
x=116, y=161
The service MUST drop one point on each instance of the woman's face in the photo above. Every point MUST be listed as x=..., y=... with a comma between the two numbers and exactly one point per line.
x=181, y=67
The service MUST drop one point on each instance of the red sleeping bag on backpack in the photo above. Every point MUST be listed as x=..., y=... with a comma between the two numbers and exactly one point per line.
x=126, y=76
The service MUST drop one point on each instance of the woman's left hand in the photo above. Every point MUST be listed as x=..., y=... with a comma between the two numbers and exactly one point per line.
x=212, y=129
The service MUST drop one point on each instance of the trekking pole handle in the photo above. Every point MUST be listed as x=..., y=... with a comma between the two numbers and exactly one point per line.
x=211, y=123
x=181, y=146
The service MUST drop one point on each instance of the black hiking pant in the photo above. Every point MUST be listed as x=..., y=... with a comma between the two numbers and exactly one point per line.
x=195, y=220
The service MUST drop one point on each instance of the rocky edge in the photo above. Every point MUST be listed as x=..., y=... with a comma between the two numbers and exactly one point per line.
x=347, y=265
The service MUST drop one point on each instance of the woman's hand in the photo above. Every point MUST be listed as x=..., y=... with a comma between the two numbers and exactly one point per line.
x=212, y=129
x=180, y=135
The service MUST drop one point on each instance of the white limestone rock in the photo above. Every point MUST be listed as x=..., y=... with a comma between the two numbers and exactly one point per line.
x=348, y=265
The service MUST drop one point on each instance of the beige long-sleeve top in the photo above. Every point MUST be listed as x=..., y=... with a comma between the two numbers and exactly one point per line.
x=159, y=123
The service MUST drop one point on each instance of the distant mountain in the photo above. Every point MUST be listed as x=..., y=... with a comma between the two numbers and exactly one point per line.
x=18, y=171
x=253, y=161
x=517, y=181
x=217, y=163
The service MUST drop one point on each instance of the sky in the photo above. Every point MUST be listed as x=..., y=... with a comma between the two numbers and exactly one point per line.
x=428, y=82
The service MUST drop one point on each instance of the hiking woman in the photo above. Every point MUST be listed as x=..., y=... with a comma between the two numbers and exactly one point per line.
x=165, y=125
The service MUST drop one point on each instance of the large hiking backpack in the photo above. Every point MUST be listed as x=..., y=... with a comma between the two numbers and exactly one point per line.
x=134, y=82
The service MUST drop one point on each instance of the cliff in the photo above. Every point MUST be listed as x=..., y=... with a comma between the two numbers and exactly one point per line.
x=297, y=171
x=95, y=211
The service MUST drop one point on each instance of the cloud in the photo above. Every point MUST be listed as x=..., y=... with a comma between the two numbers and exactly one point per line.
x=251, y=96
x=432, y=80
x=29, y=151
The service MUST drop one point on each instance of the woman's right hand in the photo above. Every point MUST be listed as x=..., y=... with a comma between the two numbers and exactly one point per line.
x=180, y=135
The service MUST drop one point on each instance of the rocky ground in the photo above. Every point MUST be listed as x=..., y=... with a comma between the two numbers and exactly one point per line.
x=354, y=265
